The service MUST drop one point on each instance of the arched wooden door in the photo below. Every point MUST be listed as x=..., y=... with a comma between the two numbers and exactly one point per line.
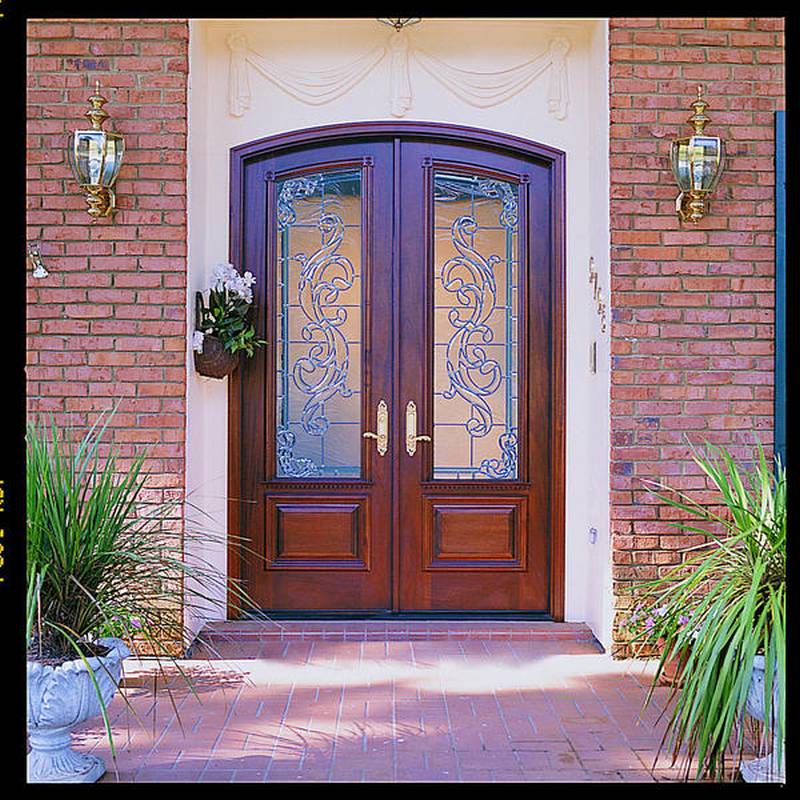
x=398, y=444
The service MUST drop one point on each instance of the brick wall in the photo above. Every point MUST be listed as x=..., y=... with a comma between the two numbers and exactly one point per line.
x=692, y=307
x=692, y=327
x=110, y=321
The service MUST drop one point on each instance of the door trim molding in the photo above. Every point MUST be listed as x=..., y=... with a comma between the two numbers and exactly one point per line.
x=388, y=128
x=248, y=152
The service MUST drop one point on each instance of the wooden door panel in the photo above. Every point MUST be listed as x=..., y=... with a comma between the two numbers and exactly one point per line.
x=317, y=495
x=475, y=358
x=462, y=534
x=318, y=533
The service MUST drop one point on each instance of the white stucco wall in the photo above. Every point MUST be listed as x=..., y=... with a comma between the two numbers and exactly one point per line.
x=484, y=45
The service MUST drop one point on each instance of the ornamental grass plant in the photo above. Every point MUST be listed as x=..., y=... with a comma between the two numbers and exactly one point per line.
x=725, y=604
x=102, y=562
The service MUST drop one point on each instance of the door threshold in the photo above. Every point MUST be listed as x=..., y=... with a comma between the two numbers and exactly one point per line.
x=383, y=614
x=247, y=638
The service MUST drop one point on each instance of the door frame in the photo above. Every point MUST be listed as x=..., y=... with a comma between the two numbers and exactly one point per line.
x=242, y=155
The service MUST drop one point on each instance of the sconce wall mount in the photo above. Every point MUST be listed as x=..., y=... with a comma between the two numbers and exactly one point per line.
x=35, y=257
x=697, y=162
x=95, y=156
x=398, y=23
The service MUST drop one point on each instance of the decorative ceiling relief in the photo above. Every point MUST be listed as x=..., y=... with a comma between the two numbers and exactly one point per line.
x=485, y=89
x=480, y=89
x=399, y=78
x=314, y=87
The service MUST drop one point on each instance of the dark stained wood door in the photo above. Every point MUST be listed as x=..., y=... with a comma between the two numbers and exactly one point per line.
x=318, y=238
x=415, y=277
x=474, y=358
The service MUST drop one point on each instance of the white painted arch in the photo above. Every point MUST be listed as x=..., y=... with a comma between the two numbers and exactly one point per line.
x=542, y=79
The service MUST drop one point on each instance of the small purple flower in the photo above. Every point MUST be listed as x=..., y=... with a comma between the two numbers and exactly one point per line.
x=661, y=611
x=649, y=624
x=136, y=622
x=683, y=619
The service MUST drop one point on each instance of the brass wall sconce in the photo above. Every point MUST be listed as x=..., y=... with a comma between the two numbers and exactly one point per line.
x=95, y=156
x=697, y=163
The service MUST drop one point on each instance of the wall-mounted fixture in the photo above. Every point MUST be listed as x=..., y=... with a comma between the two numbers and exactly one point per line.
x=95, y=157
x=597, y=295
x=697, y=163
x=35, y=257
x=398, y=23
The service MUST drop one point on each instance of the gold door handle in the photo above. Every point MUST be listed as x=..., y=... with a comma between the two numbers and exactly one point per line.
x=382, y=425
x=411, y=429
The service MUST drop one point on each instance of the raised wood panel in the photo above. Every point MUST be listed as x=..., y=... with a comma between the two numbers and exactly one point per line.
x=470, y=535
x=310, y=533
x=470, y=532
x=317, y=532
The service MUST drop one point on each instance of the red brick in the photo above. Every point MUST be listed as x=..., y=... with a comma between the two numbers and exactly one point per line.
x=712, y=38
x=137, y=280
x=78, y=320
x=96, y=31
x=711, y=353
x=49, y=30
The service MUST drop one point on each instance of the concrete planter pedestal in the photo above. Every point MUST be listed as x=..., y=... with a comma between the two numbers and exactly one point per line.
x=765, y=769
x=60, y=698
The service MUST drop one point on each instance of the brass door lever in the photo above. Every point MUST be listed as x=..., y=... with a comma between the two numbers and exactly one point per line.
x=411, y=429
x=382, y=426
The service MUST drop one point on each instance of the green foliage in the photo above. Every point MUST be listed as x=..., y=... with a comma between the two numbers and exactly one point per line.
x=100, y=561
x=724, y=605
x=227, y=317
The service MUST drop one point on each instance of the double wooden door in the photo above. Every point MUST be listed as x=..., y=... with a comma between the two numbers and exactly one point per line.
x=394, y=445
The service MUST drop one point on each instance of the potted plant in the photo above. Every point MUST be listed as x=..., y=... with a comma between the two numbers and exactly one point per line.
x=644, y=627
x=102, y=568
x=223, y=327
x=734, y=639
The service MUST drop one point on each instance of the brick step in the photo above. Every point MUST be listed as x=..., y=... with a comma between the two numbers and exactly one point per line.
x=391, y=630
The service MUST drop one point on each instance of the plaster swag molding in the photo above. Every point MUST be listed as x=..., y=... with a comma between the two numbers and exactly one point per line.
x=479, y=89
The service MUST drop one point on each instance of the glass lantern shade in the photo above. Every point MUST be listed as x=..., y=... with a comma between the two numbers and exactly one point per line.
x=697, y=163
x=96, y=157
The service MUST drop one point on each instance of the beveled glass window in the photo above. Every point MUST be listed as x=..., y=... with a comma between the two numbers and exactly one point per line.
x=476, y=327
x=319, y=339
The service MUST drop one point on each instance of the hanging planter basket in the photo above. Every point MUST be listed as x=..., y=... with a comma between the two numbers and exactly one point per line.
x=215, y=361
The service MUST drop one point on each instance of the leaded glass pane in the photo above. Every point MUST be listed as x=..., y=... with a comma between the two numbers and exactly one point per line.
x=476, y=328
x=319, y=286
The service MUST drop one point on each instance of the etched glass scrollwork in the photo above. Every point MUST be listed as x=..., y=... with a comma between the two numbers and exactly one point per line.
x=476, y=328
x=318, y=341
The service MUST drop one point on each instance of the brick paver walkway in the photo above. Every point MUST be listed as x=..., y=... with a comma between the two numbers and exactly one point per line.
x=313, y=705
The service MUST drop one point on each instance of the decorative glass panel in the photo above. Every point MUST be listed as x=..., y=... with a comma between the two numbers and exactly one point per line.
x=318, y=409
x=476, y=328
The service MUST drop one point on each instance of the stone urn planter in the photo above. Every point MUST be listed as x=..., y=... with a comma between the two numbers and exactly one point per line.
x=765, y=769
x=59, y=699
